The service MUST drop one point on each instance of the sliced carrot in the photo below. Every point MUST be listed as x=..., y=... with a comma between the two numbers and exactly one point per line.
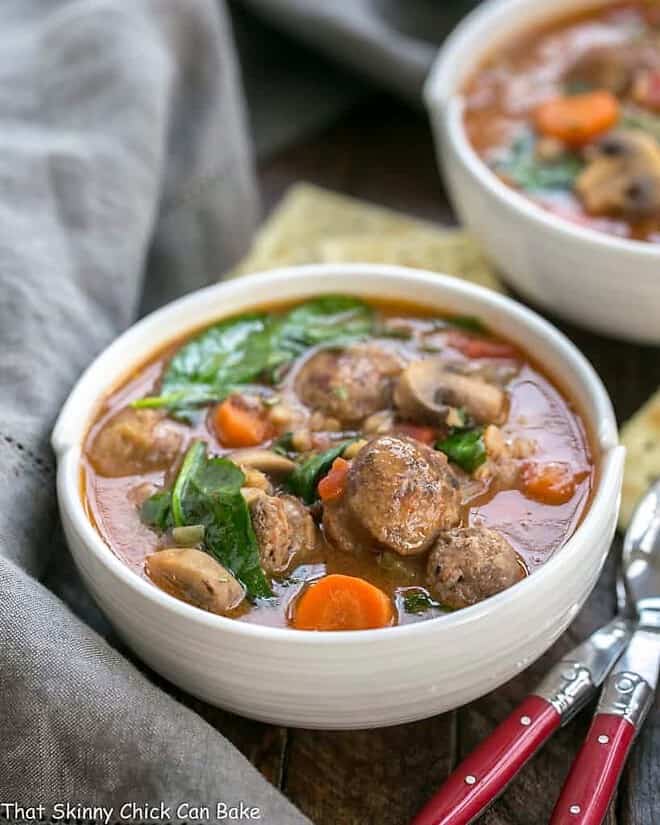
x=577, y=119
x=427, y=435
x=238, y=425
x=552, y=483
x=474, y=347
x=338, y=602
x=332, y=485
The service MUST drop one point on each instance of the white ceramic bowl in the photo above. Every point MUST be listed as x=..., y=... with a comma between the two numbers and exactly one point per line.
x=365, y=678
x=608, y=284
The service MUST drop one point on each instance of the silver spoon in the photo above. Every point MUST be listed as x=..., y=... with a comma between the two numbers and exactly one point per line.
x=628, y=692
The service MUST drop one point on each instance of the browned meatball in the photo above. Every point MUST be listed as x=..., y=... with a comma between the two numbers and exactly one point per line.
x=195, y=577
x=284, y=529
x=399, y=495
x=469, y=564
x=135, y=441
x=349, y=384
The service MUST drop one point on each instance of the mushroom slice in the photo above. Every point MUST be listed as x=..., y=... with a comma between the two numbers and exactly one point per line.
x=267, y=461
x=427, y=389
x=195, y=577
x=622, y=176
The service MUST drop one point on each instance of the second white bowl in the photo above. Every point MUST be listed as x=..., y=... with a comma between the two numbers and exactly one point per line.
x=609, y=284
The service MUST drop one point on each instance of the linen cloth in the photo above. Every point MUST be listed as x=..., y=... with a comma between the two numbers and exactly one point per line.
x=122, y=142
x=126, y=179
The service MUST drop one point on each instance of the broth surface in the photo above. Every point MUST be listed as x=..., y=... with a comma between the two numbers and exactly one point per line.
x=538, y=414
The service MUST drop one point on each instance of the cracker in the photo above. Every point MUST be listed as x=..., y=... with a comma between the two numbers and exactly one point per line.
x=641, y=437
x=314, y=225
x=451, y=252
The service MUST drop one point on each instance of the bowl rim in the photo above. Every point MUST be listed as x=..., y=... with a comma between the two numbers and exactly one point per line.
x=442, y=92
x=67, y=437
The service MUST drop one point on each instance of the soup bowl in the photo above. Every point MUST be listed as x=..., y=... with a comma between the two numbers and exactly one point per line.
x=608, y=284
x=354, y=679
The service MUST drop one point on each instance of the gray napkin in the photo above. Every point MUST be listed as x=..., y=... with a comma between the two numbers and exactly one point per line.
x=122, y=143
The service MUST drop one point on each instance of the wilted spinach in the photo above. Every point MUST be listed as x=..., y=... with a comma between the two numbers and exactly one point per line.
x=303, y=480
x=523, y=167
x=418, y=601
x=236, y=352
x=207, y=492
x=464, y=447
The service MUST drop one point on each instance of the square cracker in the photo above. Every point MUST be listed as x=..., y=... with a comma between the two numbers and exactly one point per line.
x=641, y=438
x=313, y=225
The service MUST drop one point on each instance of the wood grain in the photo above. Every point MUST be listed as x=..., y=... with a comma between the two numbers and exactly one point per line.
x=383, y=152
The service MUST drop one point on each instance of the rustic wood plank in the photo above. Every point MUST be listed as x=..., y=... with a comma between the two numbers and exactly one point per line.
x=377, y=776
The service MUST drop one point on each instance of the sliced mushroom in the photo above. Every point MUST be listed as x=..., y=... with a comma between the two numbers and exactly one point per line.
x=195, y=577
x=427, y=390
x=622, y=176
x=267, y=461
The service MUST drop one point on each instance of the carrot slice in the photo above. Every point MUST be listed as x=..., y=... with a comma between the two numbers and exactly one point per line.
x=473, y=347
x=552, y=483
x=427, y=435
x=332, y=485
x=238, y=425
x=338, y=602
x=577, y=119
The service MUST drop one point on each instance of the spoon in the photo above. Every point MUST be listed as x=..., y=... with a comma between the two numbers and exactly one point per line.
x=628, y=692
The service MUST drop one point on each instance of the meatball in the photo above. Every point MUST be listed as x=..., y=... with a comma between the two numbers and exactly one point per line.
x=348, y=384
x=399, y=495
x=469, y=564
x=195, y=577
x=284, y=529
x=133, y=442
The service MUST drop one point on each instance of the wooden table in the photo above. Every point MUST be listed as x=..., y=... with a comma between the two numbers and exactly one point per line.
x=383, y=152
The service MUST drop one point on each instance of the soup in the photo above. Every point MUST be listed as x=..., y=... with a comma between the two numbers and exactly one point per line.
x=337, y=465
x=569, y=114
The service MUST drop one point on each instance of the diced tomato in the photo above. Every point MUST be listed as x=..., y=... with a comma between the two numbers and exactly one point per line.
x=473, y=346
x=427, y=435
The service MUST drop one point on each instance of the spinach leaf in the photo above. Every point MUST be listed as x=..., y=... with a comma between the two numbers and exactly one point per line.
x=156, y=511
x=645, y=121
x=284, y=444
x=464, y=447
x=525, y=169
x=207, y=492
x=233, y=353
x=303, y=480
x=469, y=322
x=418, y=601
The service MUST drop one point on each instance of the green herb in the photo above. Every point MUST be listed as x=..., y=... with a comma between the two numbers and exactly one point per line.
x=341, y=393
x=464, y=447
x=303, y=480
x=418, y=601
x=634, y=118
x=524, y=168
x=156, y=511
x=233, y=353
x=207, y=494
x=284, y=444
x=577, y=87
x=469, y=322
